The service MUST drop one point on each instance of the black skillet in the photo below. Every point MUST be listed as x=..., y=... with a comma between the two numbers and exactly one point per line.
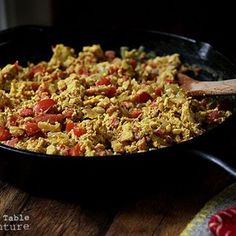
x=33, y=43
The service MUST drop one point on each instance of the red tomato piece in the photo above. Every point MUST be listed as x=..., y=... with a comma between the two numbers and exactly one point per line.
x=160, y=133
x=35, y=86
x=76, y=150
x=68, y=113
x=213, y=117
x=38, y=69
x=103, y=81
x=91, y=91
x=4, y=134
x=110, y=92
x=83, y=71
x=113, y=70
x=170, y=81
x=51, y=118
x=26, y=112
x=12, y=120
x=133, y=63
x=79, y=131
x=114, y=122
x=31, y=128
x=142, y=97
x=64, y=150
x=69, y=126
x=159, y=91
x=44, y=106
x=135, y=113
x=11, y=142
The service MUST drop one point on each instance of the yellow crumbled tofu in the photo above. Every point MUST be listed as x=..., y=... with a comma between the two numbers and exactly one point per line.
x=51, y=149
x=126, y=134
x=16, y=131
x=4, y=99
x=97, y=103
x=60, y=55
x=46, y=127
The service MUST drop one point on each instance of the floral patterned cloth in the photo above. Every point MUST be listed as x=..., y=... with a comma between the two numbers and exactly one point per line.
x=199, y=225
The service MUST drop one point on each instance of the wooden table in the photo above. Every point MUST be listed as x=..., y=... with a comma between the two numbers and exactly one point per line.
x=158, y=204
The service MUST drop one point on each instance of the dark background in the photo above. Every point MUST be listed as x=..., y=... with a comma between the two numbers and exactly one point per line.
x=212, y=22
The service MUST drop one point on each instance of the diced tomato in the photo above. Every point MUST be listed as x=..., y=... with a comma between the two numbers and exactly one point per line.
x=83, y=71
x=110, y=54
x=12, y=120
x=64, y=150
x=158, y=91
x=114, y=122
x=142, y=97
x=133, y=63
x=142, y=144
x=44, y=106
x=31, y=128
x=69, y=126
x=38, y=69
x=68, y=113
x=100, y=150
x=110, y=92
x=103, y=81
x=26, y=112
x=213, y=117
x=35, y=86
x=51, y=118
x=113, y=70
x=135, y=113
x=4, y=134
x=127, y=104
x=11, y=142
x=79, y=131
x=170, y=81
x=91, y=91
x=56, y=75
x=76, y=150
x=160, y=132
x=110, y=110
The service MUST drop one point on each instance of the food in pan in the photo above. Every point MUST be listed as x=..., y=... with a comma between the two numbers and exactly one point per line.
x=98, y=103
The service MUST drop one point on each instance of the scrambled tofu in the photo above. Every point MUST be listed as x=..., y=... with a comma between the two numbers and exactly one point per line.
x=98, y=103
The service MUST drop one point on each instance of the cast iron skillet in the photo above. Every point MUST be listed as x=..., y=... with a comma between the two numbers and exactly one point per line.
x=33, y=43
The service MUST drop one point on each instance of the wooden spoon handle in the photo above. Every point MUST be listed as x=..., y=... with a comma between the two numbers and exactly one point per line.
x=223, y=87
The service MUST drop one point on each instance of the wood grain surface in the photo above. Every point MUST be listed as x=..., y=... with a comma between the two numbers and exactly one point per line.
x=160, y=207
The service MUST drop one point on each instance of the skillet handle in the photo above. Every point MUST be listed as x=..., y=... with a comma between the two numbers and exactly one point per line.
x=225, y=161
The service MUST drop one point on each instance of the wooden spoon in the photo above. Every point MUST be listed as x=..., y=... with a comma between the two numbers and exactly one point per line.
x=201, y=88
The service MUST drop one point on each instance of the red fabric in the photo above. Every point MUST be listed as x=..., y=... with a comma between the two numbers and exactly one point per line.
x=223, y=223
